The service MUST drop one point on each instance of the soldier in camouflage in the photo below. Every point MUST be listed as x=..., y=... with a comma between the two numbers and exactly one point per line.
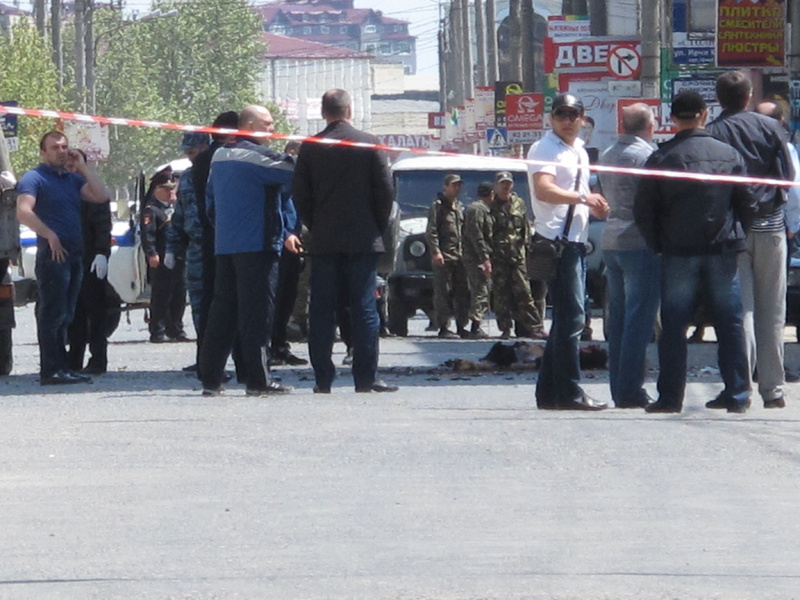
x=184, y=237
x=450, y=290
x=511, y=290
x=477, y=255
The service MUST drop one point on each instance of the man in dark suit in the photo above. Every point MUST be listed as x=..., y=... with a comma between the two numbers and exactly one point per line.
x=343, y=194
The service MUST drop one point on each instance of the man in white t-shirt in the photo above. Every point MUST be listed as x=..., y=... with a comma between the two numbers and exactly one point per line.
x=557, y=186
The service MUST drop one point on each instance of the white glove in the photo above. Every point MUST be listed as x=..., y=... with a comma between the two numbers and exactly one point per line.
x=169, y=260
x=99, y=266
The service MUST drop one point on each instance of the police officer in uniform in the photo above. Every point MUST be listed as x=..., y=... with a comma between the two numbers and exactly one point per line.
x=511, y=290
x=185, y=234
x=168, y=297
x=450, y=290
x=477, y=255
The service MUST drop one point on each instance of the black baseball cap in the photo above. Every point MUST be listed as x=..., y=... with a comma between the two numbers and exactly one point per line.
x=567, y=100
x=687, y=105
x=485, y=189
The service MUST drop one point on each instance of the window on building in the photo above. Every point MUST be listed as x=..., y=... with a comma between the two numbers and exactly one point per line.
x=370, y=48
x=278, y=29
x=403, y=48
x=370, y=29
x=343, y=30
x=307, y=30
x=324, y=29
x=386, y=49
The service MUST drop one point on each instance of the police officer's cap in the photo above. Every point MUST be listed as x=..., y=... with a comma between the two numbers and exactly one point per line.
x=451, y=178
x=164, y=177
x=485, y=189
x=503, y=176
x=192, y=139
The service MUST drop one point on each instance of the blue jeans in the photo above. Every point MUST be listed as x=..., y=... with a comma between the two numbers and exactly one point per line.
x=59, y=286
x=560, y=370
x=681, y=276
x=243, y=305
x=352, y=276
x=633, y=286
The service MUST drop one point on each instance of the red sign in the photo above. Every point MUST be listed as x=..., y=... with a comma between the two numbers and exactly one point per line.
x=624, y=62
x=585, y=54
x=524, y=111
x=751, y=34
x=436, y=120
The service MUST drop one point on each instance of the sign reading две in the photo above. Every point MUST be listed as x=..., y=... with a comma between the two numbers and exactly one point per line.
x=620, y=57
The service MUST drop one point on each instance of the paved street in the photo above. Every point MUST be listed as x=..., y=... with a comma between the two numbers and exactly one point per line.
x=455, y=487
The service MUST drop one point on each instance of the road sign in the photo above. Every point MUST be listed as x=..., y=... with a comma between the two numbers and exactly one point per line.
x=624, y=62
x=497, y=138
x=524, y=117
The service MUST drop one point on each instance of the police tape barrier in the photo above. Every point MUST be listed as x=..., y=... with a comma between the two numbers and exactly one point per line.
x=70, y=116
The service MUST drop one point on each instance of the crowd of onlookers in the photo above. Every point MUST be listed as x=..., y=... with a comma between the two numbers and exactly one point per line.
x=237, y=227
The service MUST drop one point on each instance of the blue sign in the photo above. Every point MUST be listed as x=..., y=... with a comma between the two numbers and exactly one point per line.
x=9, y=122
x=497, y=137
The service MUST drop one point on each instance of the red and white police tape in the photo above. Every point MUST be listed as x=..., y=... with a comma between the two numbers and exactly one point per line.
x=70, y=116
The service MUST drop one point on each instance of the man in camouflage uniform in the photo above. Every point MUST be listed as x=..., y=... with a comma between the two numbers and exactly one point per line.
x=185, y=234
x=450, y=291
x=511, y=290
x=477, y=255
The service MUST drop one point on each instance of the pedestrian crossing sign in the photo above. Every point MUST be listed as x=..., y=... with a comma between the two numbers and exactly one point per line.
x=497, y=138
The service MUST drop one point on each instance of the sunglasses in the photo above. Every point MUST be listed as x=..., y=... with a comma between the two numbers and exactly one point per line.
x=563, y=115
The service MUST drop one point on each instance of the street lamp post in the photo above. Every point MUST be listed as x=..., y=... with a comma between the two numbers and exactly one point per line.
x=91, y=44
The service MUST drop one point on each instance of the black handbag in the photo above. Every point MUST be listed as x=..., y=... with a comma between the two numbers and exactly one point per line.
x=542, y=255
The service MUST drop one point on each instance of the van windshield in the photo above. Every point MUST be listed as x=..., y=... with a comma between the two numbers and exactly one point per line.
x=416, y=190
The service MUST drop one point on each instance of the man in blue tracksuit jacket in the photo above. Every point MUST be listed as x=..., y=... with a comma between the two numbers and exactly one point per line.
x=248, y=201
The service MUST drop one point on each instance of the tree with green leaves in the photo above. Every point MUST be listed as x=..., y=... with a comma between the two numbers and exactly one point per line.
x=29, y=77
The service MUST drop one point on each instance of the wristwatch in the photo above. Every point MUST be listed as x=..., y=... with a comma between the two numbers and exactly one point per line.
x=582, y=199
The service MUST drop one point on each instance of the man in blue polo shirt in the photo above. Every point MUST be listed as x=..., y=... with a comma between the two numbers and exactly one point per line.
x=49, y=202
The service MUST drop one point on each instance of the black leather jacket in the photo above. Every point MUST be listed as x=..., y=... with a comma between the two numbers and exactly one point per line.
x=684, y=217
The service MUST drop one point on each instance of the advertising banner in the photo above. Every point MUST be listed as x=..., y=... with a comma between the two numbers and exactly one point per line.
x=751, y=34
x=501, y=89
x=524, y=117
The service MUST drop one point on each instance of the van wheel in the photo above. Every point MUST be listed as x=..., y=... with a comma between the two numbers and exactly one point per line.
x=398, y=321
x=6, y=356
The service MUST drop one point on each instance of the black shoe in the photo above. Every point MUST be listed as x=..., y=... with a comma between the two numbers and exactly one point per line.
x=631, y=404
x=446, y=334
x=64, y=378
x=728, y=404
x=582, y=402
x=91, y=369
x=379, y=385
x=791, y=377
x=463, y=333
x=293, y=360
x=180, y=337
x=543, y=404
x=739, y=408
x=778, y=402
x=190, y=369
x=272, y=388
x=320, y=389
x=158, y=338
x=662, y=406
x=478, y=334
x=505, y=334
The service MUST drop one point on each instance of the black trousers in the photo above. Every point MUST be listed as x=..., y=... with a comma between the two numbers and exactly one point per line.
x=243, y=305
x=89, y=325
x=289, y=269
x=168, y=300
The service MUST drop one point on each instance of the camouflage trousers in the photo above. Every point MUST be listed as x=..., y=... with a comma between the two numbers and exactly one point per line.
x=450, y=294
x=194, y=280
x=478, y=290
x=511, y=297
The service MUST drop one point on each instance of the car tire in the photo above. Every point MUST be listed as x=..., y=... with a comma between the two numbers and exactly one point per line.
x=6, y=355
x=398, y=317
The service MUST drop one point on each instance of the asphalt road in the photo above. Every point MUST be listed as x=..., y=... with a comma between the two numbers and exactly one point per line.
x=455, y=487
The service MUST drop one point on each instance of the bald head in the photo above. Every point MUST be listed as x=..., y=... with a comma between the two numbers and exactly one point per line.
x=772, y=109
x=637, y=119
x=256, y=118
x=336, y=106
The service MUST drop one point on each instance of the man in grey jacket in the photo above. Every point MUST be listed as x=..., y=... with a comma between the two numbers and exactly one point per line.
x=632, y=269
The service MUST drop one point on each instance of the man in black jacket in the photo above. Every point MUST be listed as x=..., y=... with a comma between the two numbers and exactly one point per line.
x=762, y=267
x=699, y=228
x=343, y=195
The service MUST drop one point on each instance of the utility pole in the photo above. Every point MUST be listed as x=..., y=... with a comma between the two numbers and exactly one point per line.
x=58, y=50
x=480, y=38
x=528, y=30
x=40, y=16
x=443, y=58
x=456, y=47
x=491, y=43
x=80, y=52
x=88, y=36
x=469, y=77
x=651, y=48
x=515, y=39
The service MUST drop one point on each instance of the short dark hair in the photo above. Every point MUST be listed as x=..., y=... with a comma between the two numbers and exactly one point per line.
x=226, y=120
x=50, y=134
x=335, y=104
x=734, y=89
